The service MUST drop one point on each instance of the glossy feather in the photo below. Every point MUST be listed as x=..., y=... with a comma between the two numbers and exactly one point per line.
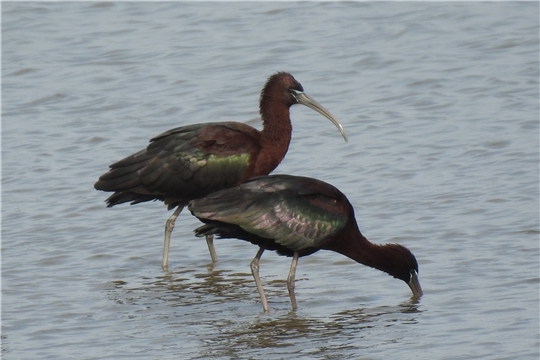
x=192, y=161
x=297, y=216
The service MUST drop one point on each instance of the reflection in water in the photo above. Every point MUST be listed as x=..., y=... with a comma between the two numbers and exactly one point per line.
x=182, y=287
x=288, y=333
x=214, y=303
x=443, y=158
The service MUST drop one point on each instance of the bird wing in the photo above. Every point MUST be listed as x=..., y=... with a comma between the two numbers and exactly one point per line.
x=188, y=161
x=278, y=207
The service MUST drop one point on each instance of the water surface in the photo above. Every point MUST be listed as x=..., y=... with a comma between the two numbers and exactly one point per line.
x=440, y=102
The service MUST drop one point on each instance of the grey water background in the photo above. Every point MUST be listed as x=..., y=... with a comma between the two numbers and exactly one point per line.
x=440, y=102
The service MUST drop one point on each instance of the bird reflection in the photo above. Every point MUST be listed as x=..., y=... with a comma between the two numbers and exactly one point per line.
x=211, y=304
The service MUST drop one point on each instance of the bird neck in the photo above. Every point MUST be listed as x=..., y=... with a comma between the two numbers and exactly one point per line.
x=355, y=246
x=275, y=135
x=276, y=119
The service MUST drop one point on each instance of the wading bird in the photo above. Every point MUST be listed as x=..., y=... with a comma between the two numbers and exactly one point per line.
x=192, y=161
x=297, y=216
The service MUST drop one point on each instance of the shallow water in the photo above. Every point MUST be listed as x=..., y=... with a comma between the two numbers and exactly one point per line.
x=440, y=102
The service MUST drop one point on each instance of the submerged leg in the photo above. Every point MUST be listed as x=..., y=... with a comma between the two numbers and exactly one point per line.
x=290, y=280
x=211, y=248
x=169, y=226
x=255, y=271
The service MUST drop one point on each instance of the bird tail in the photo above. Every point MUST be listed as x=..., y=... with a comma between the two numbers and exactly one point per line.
x=123, y=178
x=121, y=197
x=209, y=229
x=123, y=174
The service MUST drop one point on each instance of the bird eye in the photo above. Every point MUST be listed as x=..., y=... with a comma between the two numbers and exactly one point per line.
x=296, y=93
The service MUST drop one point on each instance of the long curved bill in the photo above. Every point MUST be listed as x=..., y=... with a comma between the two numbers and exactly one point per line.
x=303, y=99
x=414, y=284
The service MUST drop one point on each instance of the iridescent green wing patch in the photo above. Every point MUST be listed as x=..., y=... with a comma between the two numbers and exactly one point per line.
x=275, y=210
x=294, y=222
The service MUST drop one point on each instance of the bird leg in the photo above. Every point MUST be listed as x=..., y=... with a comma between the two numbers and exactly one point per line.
x=211, y=248
x=255, y=271
x=169, y=226
x=290, y=280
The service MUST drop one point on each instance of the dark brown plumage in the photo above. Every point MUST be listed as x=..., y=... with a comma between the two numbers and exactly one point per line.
x=192, y=161
x=297, y=216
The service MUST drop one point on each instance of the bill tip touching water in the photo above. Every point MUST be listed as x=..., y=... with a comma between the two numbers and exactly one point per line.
x=192, y=161
x=297, y=216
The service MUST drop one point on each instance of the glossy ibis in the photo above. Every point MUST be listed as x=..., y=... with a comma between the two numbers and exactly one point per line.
x=192, y=161
x=297, y=216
